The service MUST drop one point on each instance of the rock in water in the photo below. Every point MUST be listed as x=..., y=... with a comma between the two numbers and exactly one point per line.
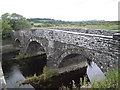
x=94, y=73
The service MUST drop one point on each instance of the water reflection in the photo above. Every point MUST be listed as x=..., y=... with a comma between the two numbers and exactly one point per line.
x=94, y=72
x=15, y=78
x=16, y=71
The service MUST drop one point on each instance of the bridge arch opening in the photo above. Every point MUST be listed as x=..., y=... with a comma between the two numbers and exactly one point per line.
x=17, y=44
x=35, y=63
x=72, y=60
x=35, y=47
x=74, y=67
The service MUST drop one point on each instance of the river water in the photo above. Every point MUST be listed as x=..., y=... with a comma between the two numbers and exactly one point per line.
x=15, y=78
x=16, y=71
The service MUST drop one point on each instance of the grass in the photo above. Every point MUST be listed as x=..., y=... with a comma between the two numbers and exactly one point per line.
x=110, y=82
x=8, y=50
x=42, y=80
x=6, y=41
x=38, y=23
x=49, y=73
x=44, y=20
x=101, y=27
x=23, y=55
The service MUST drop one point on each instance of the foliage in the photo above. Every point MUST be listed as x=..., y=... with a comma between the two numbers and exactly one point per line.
x=93, y=24
x=13, y=22
x=8, y=50
x=43, y=80
x=110, y=82
x=49, y=73
x=6, y=41
x=18, y=22
x=22, y=55
x=84, y=81
x=6, y=27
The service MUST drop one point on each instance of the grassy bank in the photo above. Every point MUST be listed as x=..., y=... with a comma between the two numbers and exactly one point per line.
x=6, y=41
x=111, y=81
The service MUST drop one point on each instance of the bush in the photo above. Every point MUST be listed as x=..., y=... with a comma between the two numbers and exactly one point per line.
x=13, y=22
x=110, y=82
x=43, y=80
x=49, y=73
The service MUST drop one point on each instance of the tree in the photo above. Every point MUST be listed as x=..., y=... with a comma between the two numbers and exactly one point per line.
x=5, y=16
x=13, y=22
x=18, y=22
x=6, y=27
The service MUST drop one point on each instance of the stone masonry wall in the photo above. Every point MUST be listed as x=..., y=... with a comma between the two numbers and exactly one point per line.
x=102, y=47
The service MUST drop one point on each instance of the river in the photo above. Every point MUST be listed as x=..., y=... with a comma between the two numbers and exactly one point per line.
x=15, y=77
x=16, y=71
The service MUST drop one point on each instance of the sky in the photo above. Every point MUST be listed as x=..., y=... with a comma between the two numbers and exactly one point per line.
x=67, y=10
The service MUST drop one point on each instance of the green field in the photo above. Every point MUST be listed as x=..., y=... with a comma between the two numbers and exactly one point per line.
x=101, y=27
x=51, y=23
x=38, y=24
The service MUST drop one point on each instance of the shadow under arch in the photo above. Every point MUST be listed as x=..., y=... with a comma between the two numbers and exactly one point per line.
x=73, y=57
x=35, y=47
x=72, y=63
x=38, y=59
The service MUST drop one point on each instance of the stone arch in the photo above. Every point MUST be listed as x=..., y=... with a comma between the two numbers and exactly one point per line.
x=73, y=56
x=35, y=46
x=17, y=43
x=38, y=58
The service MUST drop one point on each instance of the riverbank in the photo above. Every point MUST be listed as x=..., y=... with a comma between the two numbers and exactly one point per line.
x=66, y=79
x=3, y=49
x=10, y=70
x=2, y=78
x=71, y=81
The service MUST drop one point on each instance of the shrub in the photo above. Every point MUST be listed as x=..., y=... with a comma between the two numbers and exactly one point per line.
x=49, y=73
x=111, y=80
x=43, y=80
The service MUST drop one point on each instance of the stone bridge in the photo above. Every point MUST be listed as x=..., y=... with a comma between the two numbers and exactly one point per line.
x=70, y=47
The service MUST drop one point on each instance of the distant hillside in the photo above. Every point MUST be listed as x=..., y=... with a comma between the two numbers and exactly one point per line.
x=53, y=21
x=39, y=20
x=45, y=20
x=93, y=24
